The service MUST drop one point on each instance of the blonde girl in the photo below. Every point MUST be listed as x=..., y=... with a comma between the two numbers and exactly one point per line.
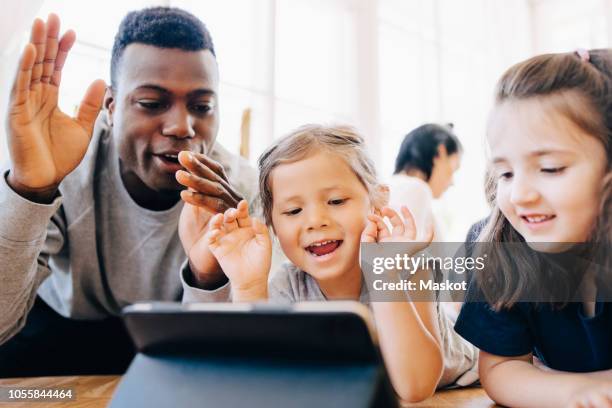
x=319, y=195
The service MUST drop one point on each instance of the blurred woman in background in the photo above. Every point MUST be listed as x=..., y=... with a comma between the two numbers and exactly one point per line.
x=426, y=162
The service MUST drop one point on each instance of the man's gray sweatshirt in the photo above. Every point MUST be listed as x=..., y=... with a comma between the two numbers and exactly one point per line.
x=94, y=250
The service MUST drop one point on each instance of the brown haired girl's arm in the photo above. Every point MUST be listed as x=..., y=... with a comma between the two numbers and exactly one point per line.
x=516, y=382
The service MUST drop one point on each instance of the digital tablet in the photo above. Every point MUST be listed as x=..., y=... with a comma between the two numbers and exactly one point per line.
x=318, y=330
x=321, y=354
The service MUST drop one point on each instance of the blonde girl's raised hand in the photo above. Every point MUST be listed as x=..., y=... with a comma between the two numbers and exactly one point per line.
x=243, y=248
x=403, y=229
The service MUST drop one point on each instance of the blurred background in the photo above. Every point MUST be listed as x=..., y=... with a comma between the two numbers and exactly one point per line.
x=385, y=66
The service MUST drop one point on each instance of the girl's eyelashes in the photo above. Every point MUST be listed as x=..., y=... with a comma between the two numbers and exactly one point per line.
x=337, y=201
x=552, y=169
x=505, y=175
x=333, y=202
x=293, y=211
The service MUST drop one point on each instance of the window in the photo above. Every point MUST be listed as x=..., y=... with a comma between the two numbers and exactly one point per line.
x=385, y=66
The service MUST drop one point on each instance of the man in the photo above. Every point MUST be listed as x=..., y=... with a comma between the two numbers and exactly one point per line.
x=91, y=204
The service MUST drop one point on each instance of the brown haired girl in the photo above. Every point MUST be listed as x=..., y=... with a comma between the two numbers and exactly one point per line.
x=551, y=153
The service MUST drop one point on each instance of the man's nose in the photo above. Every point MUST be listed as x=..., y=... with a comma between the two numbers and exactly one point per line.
x=523, y=190
x=178, y=123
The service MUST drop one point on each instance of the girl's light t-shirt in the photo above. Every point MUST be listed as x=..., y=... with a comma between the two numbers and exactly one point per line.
x=290, y=284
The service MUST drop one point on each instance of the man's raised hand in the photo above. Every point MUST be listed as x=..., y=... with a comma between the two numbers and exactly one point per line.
x=44, y=143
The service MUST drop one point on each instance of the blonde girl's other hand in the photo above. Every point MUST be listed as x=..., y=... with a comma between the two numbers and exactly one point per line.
x=243, y=248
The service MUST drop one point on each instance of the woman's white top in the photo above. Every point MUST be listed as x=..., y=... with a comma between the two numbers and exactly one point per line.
x=415, y=194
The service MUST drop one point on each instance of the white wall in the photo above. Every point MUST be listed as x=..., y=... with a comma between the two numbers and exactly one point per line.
x=385, y=66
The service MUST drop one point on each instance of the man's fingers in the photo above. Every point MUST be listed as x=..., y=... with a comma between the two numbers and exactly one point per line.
x=206, y=202
x=206, y=162
x=211, y=164
x=195, y=163
x=65, y=44
x=90, y=105
x=206, y=187
x=51, y=46
x=21, y=86
x=38, y=37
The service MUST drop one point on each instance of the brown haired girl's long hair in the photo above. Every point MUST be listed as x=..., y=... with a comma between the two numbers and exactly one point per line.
x=513, y=275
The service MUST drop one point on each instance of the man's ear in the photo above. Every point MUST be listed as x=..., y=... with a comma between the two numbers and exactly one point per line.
x=109, y=104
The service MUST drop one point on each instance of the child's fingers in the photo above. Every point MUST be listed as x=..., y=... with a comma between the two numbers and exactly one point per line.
x=598, y=400
x=369, y=233
x=214, y=230
x=262, y=236
x=216, y=222
x=212, y=237
x=397, y=224
x=242, y=214
x=381, y=228
x=410, y=226
x=229, y=220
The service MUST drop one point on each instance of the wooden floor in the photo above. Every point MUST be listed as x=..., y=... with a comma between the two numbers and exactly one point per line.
x=97, y=391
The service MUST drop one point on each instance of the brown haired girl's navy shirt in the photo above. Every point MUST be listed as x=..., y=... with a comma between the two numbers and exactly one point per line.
x=565, y=339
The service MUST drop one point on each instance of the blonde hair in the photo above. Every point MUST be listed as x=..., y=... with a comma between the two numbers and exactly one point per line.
x=343, y=141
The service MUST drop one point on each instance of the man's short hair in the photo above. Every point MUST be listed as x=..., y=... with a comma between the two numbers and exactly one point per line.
x=164, y=27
